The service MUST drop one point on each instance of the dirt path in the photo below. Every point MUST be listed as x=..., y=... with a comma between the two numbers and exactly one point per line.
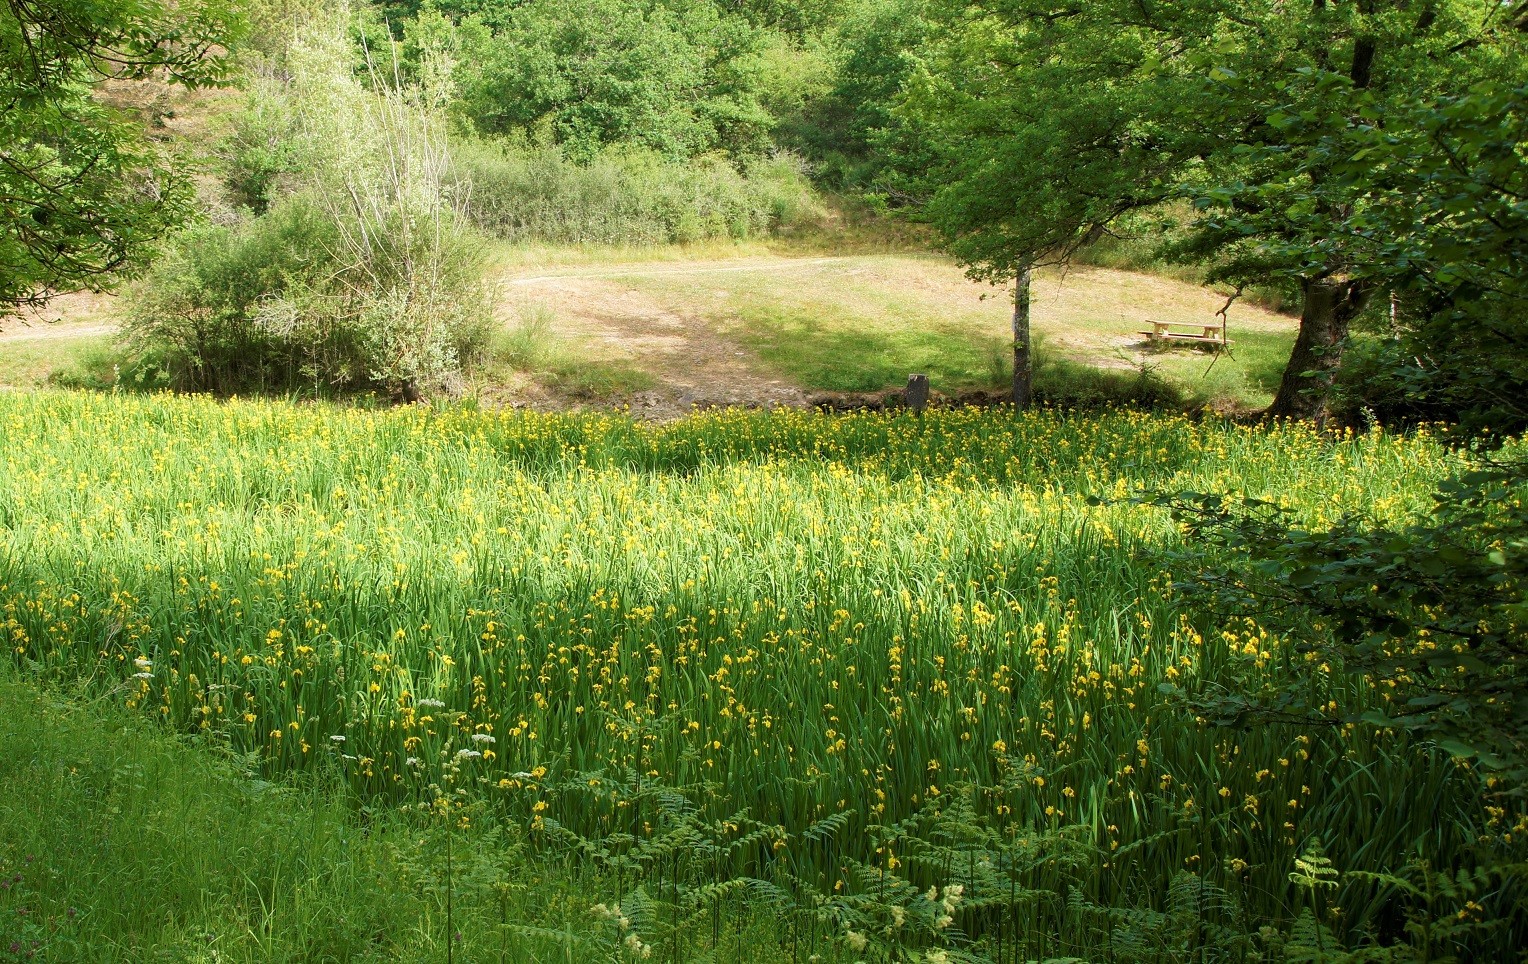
x=50, y=332
x=82, y=314
x=694, y=363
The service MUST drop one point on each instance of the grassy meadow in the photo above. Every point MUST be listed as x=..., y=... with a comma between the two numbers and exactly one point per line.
x=889, y=681
x=855, y=319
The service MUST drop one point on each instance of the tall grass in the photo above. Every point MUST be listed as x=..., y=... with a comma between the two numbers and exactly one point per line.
x=629, y=196
x=865, y=653
x=226, y=866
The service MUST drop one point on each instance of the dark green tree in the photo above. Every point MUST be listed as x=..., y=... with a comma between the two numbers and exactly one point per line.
x=1432, y=193
x=854, y=135
x=674, y=76
x=81, y=190
x=1054, y=119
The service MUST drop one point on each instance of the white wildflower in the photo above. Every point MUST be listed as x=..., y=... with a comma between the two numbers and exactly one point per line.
x=433, y=704
x=856, y=940
x=952, y=897
x=482, y=738
x=143, y=676
x=336, y=738
x=634, y=944
x=142, y=663
x=468, y=755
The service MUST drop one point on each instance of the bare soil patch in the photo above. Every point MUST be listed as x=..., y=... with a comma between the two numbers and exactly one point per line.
x=697, y=365
x=80, y=314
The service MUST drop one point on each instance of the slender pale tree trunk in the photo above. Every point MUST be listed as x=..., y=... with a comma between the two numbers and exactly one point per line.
x=1023, y=363
x=1328, y=310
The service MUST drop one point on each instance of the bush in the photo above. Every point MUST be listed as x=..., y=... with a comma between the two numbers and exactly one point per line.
x=258, y=154
x=362, y=277
x=1398, y=382
x=679, y=77
x=629, y=196
x=1072, y=385
x=269, y=306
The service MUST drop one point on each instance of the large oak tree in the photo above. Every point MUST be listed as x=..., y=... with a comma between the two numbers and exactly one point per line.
x=1054, y=119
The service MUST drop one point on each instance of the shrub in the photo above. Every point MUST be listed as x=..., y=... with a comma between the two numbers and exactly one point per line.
x=678, y=76
x=362, y=278
x=627, y=196
x=1402, y=382
x=269, y=306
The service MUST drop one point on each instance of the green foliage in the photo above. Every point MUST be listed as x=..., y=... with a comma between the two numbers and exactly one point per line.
x=627, y=196
x=362, y=278
x=82, y=193
x=267, y=306
x=852, y=132
x=1036, y=138
x=1445, y=230
x=1051, y=125
x=1432, y=612
x=673, y=76
x=796, y=17
x=272, y=26
x=105, y=366
x=261, y=153
x=1432, y=616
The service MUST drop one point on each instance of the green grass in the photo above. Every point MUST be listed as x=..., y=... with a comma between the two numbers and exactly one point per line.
x=812, y=345
x=863, y=322
x=1244, y=378
x=120, y=842
x=34, y=362
x=829, y=662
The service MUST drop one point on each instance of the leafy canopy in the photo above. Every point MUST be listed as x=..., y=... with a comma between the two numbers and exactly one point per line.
x=81, y=191
x=1054, y=120
x=673, y=76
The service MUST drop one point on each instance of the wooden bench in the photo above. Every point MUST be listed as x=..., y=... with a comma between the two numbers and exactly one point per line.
x=1202, y=334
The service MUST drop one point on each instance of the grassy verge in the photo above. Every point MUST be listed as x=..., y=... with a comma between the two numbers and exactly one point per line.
x=35, y=362
x=121, y=842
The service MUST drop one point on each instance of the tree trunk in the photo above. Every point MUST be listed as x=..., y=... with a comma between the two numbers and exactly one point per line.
x=1023, y=365
x=1329, y=308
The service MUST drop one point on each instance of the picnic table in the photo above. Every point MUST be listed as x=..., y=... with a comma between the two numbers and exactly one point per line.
x=1203, y=334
